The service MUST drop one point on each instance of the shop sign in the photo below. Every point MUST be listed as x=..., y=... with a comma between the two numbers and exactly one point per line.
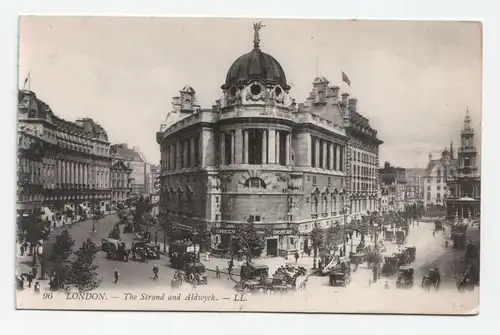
x=284, y=231
x=224, y=231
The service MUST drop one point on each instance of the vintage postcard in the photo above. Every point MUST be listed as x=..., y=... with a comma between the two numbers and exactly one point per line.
x=273, y=165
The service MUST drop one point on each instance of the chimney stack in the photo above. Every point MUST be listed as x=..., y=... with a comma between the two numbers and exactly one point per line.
x=430, y=158
x=335, y=91
x=352, y=104
x=345, y=96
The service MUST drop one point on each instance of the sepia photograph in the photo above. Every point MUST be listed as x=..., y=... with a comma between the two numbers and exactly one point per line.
x=248, y=165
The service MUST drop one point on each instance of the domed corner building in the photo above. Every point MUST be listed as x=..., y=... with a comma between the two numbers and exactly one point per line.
x=257, y=155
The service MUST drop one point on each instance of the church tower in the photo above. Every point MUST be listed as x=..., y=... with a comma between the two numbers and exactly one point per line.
x=467, y=153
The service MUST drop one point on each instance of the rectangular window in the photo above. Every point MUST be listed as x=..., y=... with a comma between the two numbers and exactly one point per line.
x=182, y=144
x=313, y=152
x=321, y=145
x=329, y=181
x=216, y=200
x=227, y=148
x=282, y=148
x=255, y=146
x=328, y=156
x=197, y=150
x=314, y=180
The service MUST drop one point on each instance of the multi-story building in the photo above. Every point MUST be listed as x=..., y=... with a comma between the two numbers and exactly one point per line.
x=71, y=168
x=363, y=145
x=154, y=189
x=141, y=169
x=436, y=174
x=464, y=199
x=30, y=152
x=362, y=160
x=394, y=188
x=256, y=155
x=415, y=185
x=121, y=182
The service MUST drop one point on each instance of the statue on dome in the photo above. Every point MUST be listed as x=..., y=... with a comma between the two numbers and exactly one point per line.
x=256, y=28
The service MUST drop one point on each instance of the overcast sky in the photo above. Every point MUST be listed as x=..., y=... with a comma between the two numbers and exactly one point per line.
x=413, y=80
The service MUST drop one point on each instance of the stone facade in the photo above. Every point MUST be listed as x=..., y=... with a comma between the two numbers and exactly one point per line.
x=464, y=200
x=258, y=155
x=435, y=180
x=121, y=182
x=141, y=169
x=394, y=188
x=73, y=171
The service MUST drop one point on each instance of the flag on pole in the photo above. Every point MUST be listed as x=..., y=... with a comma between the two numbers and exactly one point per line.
x=345, y=79
x=27, y=80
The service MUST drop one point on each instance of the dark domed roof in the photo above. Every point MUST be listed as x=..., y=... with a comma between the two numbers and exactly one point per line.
x=255, y=65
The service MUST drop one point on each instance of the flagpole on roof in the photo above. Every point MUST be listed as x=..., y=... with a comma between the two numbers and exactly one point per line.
x=27, y=80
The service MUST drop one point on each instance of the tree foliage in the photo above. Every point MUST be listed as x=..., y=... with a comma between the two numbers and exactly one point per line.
x=32, y=228
x=248, y=241
x=82, y=272
x=317, y=238
x=332, y=234
x=62, y=250
x=63, y=246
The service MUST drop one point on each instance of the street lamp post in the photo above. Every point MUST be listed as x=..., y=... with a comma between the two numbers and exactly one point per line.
x=346, y=208
x=375, y=268
x=93, y=215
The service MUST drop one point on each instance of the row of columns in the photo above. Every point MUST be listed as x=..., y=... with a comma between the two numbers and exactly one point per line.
x=333, y=154
x=270, y=146
x=327, y=205
x=69, y=172
x=358, y=205
x=181, y=154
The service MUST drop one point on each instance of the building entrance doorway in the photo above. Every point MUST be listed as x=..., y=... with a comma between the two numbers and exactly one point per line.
x=306, y=245
x=272, y=247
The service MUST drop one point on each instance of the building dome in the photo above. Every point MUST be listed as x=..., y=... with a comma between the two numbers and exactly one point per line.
x=256, y=65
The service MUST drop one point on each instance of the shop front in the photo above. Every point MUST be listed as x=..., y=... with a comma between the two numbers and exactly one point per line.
x=277, y=241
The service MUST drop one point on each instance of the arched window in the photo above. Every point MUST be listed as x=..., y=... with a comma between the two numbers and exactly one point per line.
x=255, y=182
x=334, y=203
x=325, y=204
x=315, y=204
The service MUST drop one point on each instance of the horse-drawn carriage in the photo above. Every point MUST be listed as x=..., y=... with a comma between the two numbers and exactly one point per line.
x=115, y=249
x=195, y=274
x=432, y=279
x=388, y=235
x=253, y=272
x=410, y=254
x=339, y=278
x=358, y=258
x=390, y=265
x=405, y=277
x=400, y=237
x=143, y=251
x=401, y=256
